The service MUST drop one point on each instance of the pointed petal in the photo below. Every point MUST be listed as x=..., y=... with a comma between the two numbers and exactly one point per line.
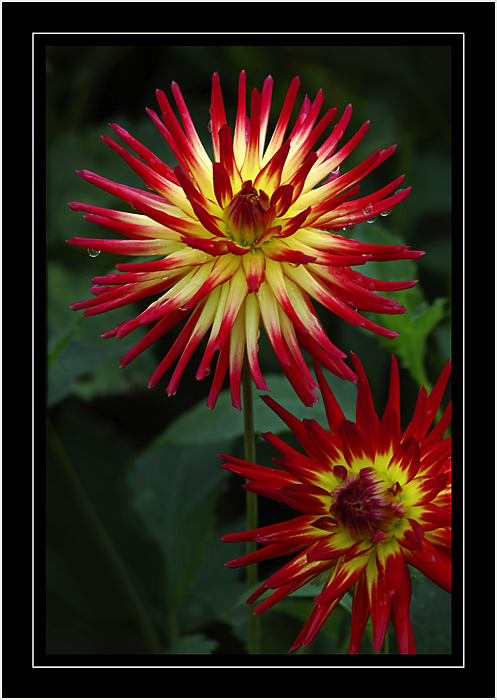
x=334, y=413
x=433, y=563
x=410, y=534
x=316, y=620
x=222, y=185
x=283, y=119
x=360, y=614
x=344, y=575
x=379, y=604
x=404, y=465
x=399, y=614
x=254, y=266
x=365, y=413
x=424, y=489
x=332, y=547
x=306, y=498
x=356, y=446
x=391, y=565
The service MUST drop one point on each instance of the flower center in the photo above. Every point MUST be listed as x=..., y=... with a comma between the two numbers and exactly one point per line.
x=364, y=505
x=244, y=213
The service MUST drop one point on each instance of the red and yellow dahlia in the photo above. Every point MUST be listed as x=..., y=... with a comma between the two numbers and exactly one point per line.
x=372, y=500
x=246, y=237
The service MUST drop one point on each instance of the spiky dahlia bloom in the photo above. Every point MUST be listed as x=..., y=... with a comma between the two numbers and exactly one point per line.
x=372, y=500
x=245, y=238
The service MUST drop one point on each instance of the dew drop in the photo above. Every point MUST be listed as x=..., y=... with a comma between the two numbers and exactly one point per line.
x=209, y=126
x=347, y=229
x=367, y=209
x=387, y=212
x=371, y=221
x=93, y=253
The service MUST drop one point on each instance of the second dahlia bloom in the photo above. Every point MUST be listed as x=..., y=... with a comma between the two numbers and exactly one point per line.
x=372, y=500
x=244, y=240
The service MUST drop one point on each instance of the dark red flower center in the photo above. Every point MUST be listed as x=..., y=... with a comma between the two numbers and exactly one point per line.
x=244, y=213
x=366, y=506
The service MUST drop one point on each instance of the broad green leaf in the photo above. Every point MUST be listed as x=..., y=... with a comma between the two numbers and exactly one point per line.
x=414, y=328
x=215, y=586
x=420, y=318
x=225, y=423
x=193, y=644
x=430, y=614
x=79, y=361
x=175, y=490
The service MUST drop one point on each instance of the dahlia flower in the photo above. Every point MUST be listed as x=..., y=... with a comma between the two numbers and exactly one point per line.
x=245, y=238
x=372, y=500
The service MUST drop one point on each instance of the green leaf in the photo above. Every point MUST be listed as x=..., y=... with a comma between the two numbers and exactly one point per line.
x=414, y=328
x=175, y=490
x=79, y=361
x=225, y=423
x=420, y=318
x=215, y=585
x=193, y=644
x=430, y=614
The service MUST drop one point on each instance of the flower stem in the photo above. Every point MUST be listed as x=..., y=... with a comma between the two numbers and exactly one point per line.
x=251, y=500
x=103, y=540
x=384, y=646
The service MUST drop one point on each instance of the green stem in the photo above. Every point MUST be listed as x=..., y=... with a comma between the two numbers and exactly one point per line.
x=384, y=646
x=251, y=502
x=103, y=540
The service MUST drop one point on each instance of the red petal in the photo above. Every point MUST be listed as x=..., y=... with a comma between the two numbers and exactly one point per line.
x=305, y=469
x=412, y=537
x=404, y=464
x=365, y=414
x=212, y=223
x=268, y=552
x=316, y=620
x=282, y=199
x=306, y=498
x=222, y=185
x=433, y=517
x=360, y=614
x=344, y=576
x=433, y=563
x=334, y=413
x=356, y=446
x=399, y=614
x=270, y=175
x=379, y=604
x=254, y=267
x=284, y=118
x=391, y=566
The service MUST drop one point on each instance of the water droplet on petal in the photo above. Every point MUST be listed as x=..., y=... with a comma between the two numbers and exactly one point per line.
x=367, y=209
x=387, y=212
x=347, y=229
x=371, y=221
x=93, y=253
x=209, y=126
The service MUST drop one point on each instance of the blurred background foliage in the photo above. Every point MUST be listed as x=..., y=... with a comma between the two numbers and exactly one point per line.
x=137, y=500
